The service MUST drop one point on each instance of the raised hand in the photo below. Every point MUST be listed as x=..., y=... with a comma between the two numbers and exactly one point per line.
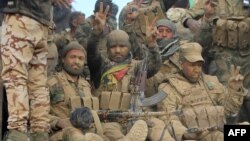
x=151, y=31
x=100, y=19
x=236, y=80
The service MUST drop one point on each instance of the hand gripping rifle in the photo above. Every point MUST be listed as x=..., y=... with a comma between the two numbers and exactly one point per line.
x=138, y=100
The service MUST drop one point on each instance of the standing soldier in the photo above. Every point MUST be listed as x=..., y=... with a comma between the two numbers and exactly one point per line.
x=24, y=52
x=198, y=103
x=132, y=20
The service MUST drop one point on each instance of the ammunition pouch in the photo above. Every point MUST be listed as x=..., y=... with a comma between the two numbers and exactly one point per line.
x=202, y=117
x=115, y=100
x=233, y=34
x=91, y=102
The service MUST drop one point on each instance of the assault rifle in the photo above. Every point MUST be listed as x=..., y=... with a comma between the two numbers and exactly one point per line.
x=138, y=87
x=122, y=116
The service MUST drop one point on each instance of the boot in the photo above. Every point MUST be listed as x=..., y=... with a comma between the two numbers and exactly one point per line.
x=92, y=137
x=74, y=134
x=138, y=132
x=15, y=135
x=40, y=136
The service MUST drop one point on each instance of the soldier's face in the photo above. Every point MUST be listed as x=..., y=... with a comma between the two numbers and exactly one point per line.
x=165, y=32
x=73, y=63
x=192, y=71
x=118, y=53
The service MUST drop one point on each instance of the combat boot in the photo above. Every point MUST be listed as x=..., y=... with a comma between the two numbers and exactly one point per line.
x=74, y=134
x=92, y=137
x=15, y=135
x=40, y=136
x=138, y=132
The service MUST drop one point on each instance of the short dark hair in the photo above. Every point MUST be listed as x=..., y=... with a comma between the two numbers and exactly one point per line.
x=81, y=118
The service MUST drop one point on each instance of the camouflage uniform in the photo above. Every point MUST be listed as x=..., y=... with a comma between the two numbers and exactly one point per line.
x=136, y=29
x=24, y=52
x=227, y=48
x=170, y=57
x=52, y=57
x=62, y=91
x=200, y=104
x=115, y=93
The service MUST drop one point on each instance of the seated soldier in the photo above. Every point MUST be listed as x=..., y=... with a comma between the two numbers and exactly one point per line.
x=84, y=120
x=169, y=44
x=198, y=103
x=114, y=76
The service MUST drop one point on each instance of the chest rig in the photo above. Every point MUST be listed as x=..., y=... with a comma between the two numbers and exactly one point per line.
x=118, y=96
x=197, y=108
x=77, y=96
x=233, y=31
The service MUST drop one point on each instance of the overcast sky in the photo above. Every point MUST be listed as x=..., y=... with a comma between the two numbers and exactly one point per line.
x=87, y=6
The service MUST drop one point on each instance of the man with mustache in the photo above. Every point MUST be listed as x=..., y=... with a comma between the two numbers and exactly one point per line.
x=197, y=103
x=169, y=43
x=66, y=85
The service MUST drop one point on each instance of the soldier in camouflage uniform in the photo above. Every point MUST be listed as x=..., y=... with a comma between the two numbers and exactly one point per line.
x=168, y=43
x=67, y=87
x=85, y=29
x=23, y=53
x=227, y=28
x=113, y=76
x=230, y=37
x=198, y=103
x=132, y=20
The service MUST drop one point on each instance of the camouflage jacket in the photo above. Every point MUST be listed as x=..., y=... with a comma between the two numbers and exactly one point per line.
x=36, y=9
x=98, y=63
x=207, y=92
x=226, y=8
x=62, y=87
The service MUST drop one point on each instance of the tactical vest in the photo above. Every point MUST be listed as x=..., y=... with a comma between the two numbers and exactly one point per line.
x=118, y=97
x=152, y=11
x=198, y=110
x=233, y=32
x=75, y=99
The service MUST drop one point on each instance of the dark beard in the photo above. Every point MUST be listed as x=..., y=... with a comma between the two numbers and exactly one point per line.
x=71, y=71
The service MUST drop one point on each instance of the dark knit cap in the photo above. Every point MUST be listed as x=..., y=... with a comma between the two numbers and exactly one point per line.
x=73, y=45
x=118, y=37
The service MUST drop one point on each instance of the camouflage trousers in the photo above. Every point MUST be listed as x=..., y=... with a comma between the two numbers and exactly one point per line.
x=224, y=57
x=24, y=72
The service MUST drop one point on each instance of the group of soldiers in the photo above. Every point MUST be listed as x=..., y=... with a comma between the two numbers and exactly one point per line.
x=147, y=80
